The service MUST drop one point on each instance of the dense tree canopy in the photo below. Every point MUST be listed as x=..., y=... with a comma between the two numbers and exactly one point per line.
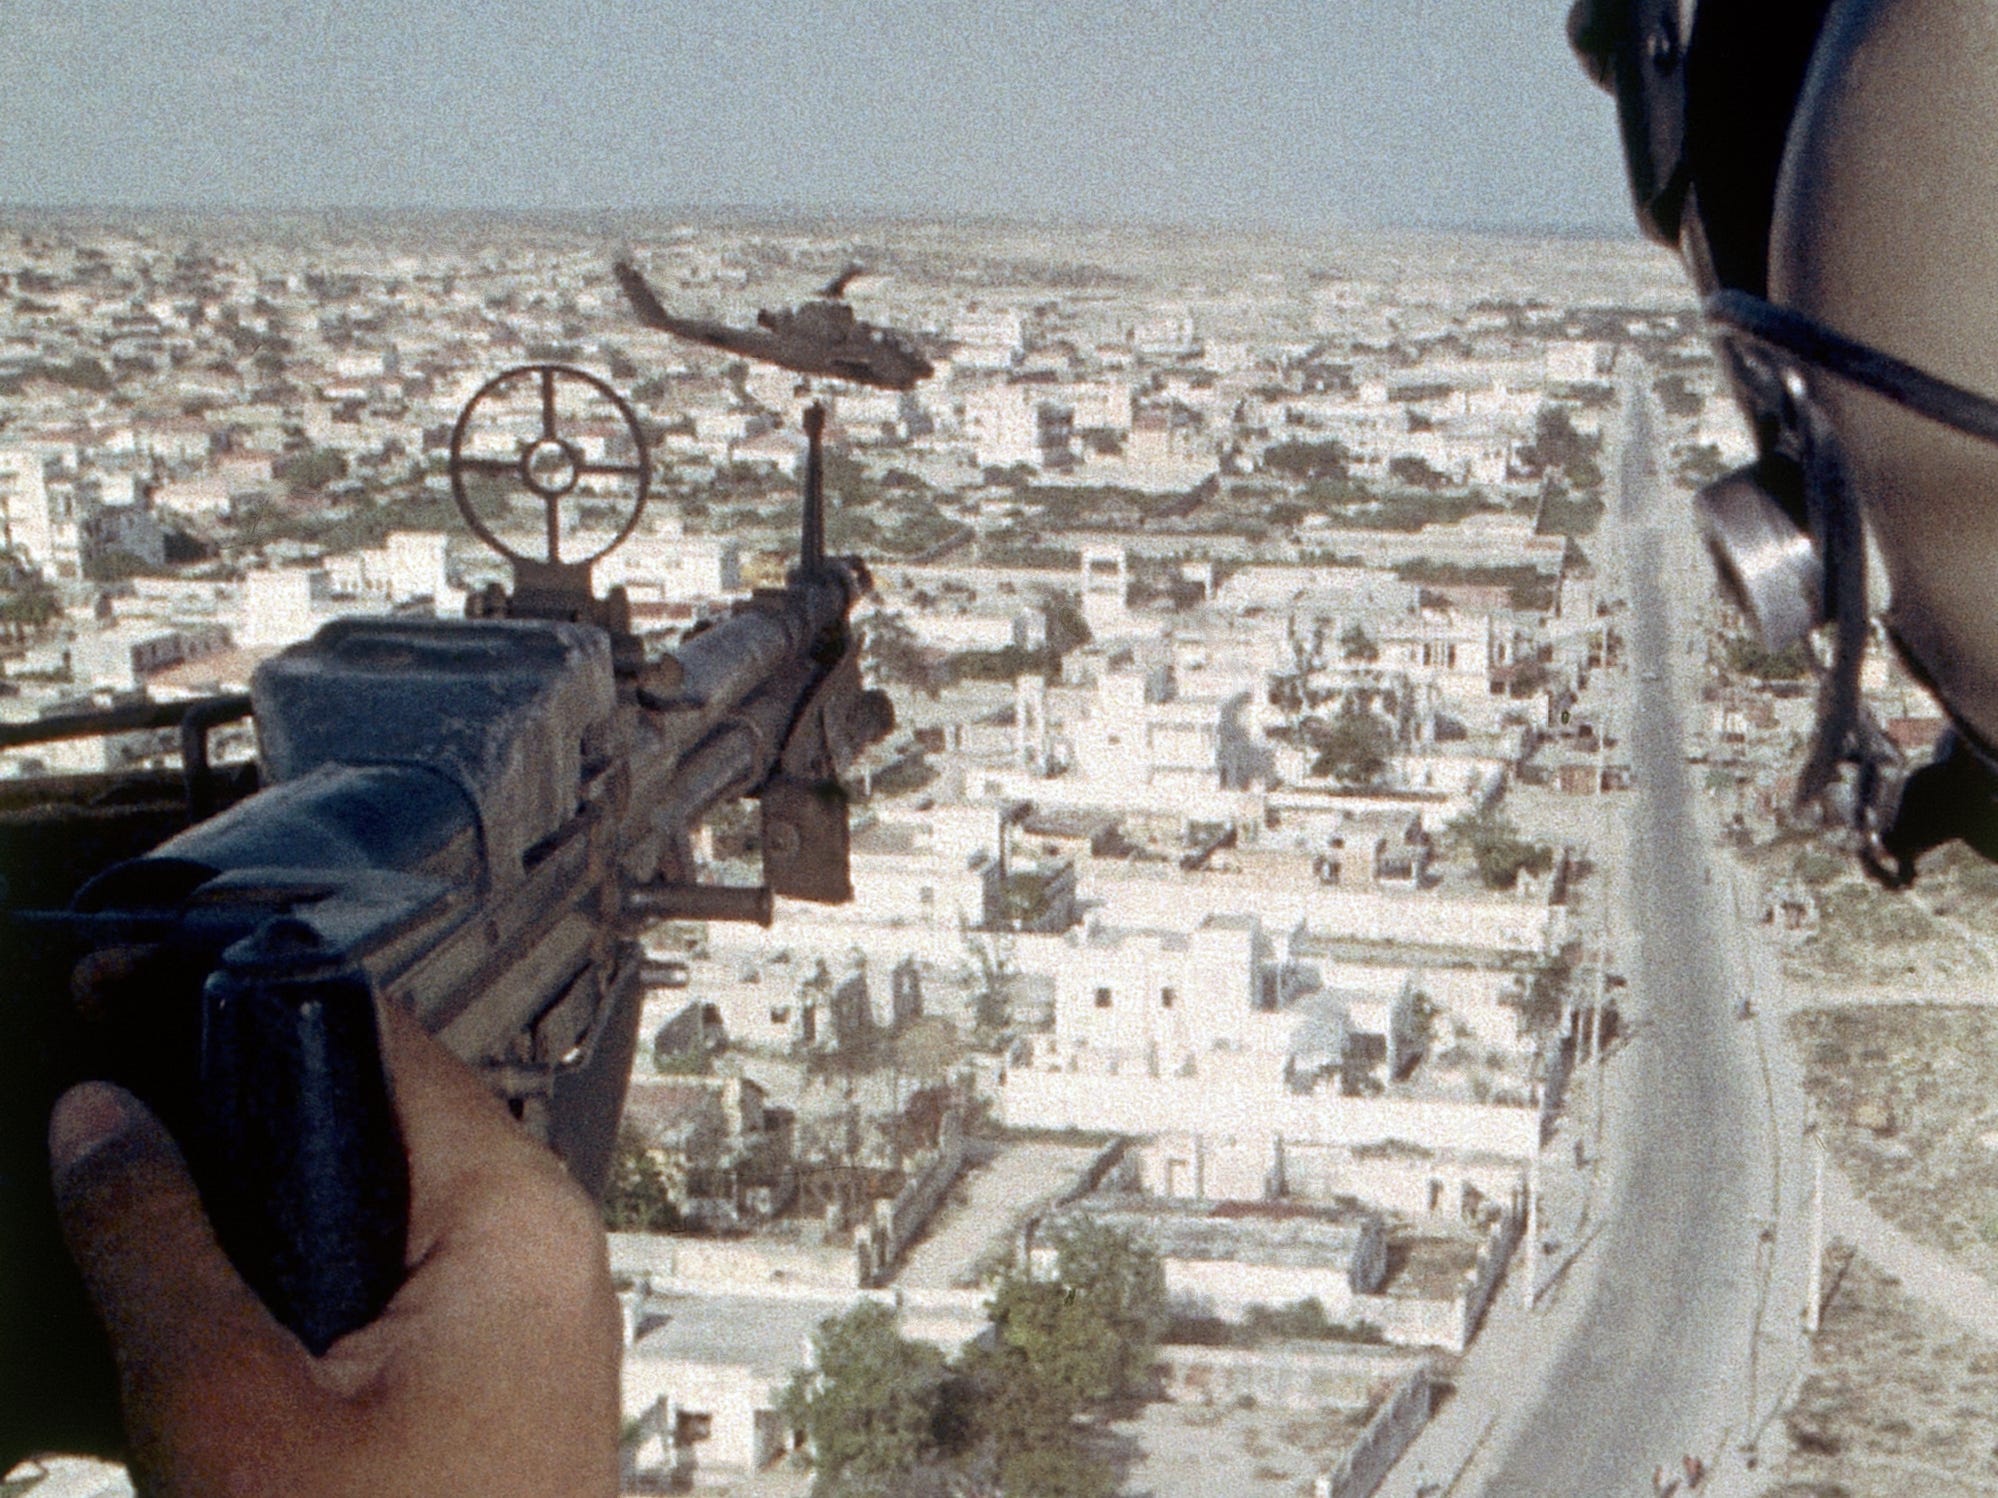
x=1556, y=444
x=870, y=1404
x=1307, y=461
x=638, y=1197
x=1353, y=748
x=1752, y=658
x=895, y=657
x=887, y=1415
x=1497, y=849
x=311, y=468
x=1417, y=472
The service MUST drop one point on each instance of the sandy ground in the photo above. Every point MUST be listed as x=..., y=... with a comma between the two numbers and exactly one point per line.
x=1906, y=1099
x=1197, y=1451
x=986, y=1208
x=1897, y=1402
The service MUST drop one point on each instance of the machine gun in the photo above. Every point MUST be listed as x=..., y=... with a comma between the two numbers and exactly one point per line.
x=472, y=819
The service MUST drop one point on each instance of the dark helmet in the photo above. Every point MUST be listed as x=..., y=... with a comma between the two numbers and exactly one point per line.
x=1829, y=170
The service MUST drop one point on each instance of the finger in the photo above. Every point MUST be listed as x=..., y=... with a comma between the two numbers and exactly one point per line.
x=96, y=980
x=175, y=1308
x=459, y=1135
x=474, y=1172
x=497, y=1228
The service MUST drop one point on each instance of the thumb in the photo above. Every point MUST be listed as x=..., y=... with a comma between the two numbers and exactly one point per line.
x=175, y=1308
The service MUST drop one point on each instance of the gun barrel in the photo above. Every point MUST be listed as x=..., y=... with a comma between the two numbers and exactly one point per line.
x=727, y=663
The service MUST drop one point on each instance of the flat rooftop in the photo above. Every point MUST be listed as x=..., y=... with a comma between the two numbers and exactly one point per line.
x=1245, y=1233
x=769, y=1335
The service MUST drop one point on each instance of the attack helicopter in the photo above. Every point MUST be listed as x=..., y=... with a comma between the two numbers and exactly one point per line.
x=819, y=337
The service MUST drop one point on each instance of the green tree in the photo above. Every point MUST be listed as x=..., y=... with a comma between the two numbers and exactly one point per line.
x=311, y=468
x=80, y=373
x=1531, y=676
x=1563, y=514
x=1751, y=658
x=992, y=1005
x=1062, y=1345
x=1417, y=473
x=1004, y=664
x=1697, y=464
x=1353, y=748
x=1007, y=1421
x=1676, y=396
x=1072, y=1348
x=28, y=601
x=114, y=565
x=1309, y=461
x=1496, y=847
x=697, y=1062
x=871, y=1404
x=638, y=1198
x=1067, y=629
x=1090, y=1333
x=1556, y=443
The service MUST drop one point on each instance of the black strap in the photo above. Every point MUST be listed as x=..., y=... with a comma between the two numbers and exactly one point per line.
x=1812, y=343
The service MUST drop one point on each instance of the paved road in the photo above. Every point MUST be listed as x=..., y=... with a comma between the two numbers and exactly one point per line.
x=1656, y=1361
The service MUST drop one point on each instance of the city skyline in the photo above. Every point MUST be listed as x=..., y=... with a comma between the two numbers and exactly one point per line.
x=1438, y=115
x=1317, y=759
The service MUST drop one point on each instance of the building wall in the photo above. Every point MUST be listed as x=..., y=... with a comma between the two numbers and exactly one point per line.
x=1292, y=1377
x=1426, y=918
x=988, y=340
x=1449, y=1324
x=277, y=607
x=1228, y=1100
x=992, y=630
x=1147, y=995
x=731, y=1398
x=878, y=1246
x=745, y=1263
x=25, y=525
x=1393, y=1429
x=1411, y=1184
x=1004, y=425
x=1198, y=1167
x=1220, y=1287
x=1482, y=1283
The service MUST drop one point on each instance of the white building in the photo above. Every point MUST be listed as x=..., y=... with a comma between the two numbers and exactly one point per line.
x=277, y=606
x=1579, y=361
x=992, y=339
x=1217, y=1264
x=1168, y=334
x=198, y=495
x=1100, y=405
x=703, y=1372
x=1011, y=424
x=123, y=655
x=408, y=565
x=26, y=526
x=1147, y=1000
x=672, y=568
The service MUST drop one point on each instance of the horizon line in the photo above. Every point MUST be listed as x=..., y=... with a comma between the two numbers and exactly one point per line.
x=795, y=214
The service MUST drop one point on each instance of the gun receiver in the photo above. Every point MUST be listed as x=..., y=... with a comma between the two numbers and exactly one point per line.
x=473, y=820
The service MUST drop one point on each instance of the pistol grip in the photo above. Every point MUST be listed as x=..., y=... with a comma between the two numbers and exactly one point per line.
x=300, y=1161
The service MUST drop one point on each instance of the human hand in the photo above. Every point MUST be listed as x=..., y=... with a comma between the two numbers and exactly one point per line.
x=493, y=1371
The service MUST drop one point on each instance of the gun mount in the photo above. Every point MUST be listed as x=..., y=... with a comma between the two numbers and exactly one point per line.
x=472, y=819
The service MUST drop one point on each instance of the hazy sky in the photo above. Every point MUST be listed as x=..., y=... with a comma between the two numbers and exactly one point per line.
x=1320, y=112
